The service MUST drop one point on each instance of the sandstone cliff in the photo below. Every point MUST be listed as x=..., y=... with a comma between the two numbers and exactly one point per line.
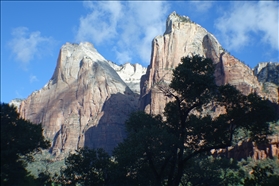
x=84, y=104
x=183, y=38
x=267, y=72
x=130, y=74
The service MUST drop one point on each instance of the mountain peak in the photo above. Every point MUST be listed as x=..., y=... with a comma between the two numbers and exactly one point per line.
x=174, y=19
x=85, y=103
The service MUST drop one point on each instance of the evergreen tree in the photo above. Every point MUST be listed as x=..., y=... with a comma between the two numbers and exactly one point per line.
x=87, y=167
x=19, y=139
x=158, y=152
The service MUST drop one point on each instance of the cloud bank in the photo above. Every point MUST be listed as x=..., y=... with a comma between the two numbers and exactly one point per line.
x=126, y=27
x=239, y=25
x=27, y=45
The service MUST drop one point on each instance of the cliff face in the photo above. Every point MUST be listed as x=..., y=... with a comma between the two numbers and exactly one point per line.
x=130, y=74
x=183, y=38
x=84, y=104
x=88, y=98
x=267, y=72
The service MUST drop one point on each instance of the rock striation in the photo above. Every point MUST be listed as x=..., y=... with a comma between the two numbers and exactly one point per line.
x=16, y=103
x=182, y=38
x=85, y=103
x=88, y=98
x=267, y=72
x=185, y=38
x=130, y=74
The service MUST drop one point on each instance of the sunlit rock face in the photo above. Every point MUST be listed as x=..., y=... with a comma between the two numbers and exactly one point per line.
x=182, y=38
x=16, y=103
x=85, y=103
x=248, y=148
x=130, y=74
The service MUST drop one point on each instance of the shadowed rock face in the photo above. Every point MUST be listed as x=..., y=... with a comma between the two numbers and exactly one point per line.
x=84, y=92
x=86, y=102
x=183, y=38
x=267, y=72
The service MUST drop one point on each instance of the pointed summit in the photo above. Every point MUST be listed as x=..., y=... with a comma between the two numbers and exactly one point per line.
x=184, y=38
x=85, y=103
x=175, y=18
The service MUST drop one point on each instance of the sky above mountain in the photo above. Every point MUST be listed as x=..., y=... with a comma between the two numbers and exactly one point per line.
x=33, y=32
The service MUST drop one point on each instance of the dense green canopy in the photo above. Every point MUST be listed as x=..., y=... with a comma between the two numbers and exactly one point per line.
x=19, y=138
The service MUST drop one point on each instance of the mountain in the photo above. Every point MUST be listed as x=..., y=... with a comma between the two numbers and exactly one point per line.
x=130, y=74
x=185, y=38
x=267, y=72
x=85, y=103
x=182, y=38
x=88, y=98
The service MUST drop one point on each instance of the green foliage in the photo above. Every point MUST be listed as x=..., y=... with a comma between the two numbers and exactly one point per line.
x=261, y=172
x=86, y=167
x=175, y=150
x=142, y=155
x=157, y=152
x=19, y=139
x=207, y=170
x=45, y=167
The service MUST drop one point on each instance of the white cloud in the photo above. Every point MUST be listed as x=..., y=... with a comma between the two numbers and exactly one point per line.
x=127, y=27
x=100, y=24
x=245, y=20
x=33, y=78
x=25, y=46
x=201, y=6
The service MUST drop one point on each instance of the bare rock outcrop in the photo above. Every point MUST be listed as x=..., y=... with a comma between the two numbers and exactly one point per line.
x=248, y=148
x=16, y=103
x=267, y=72
x=183, y=38
x=130, y=74
x=84, y=104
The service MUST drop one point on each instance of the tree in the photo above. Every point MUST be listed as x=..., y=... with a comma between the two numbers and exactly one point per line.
x=208, y=170
x=19, y=138
x=141, y=158
x=87, y=167
x=158, y=151
x=261, y=172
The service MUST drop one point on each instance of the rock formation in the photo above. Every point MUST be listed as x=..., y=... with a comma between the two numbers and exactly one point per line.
x=183, y=38
x=16, y=102
x=130, y=74
x=88, y=98
x=267, y=72
x=84, y=104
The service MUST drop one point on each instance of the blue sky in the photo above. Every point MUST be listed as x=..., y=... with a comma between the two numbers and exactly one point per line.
x=32, y=33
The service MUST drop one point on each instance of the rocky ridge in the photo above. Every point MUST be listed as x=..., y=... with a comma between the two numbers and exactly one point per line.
x=185, y=38
x=88, y=98
x=267, y=72
x=84, y=104
x=130, y=74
